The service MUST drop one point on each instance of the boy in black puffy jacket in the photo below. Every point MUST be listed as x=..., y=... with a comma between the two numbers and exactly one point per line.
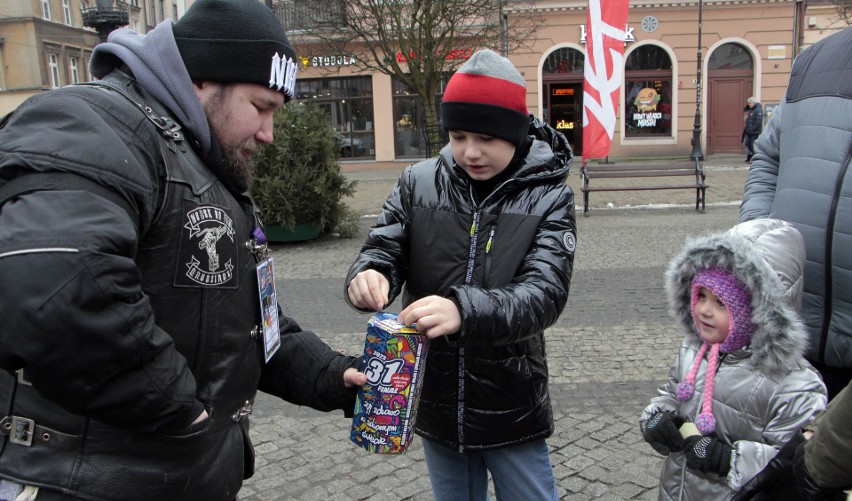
x=482, y=238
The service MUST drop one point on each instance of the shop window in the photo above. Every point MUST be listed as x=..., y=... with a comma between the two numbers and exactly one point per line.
x=409, y=118
x=564, y=60
x=730, y=56
x=348, y=102
x=648, y=93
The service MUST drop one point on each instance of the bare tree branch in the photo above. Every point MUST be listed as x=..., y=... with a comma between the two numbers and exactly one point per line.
x=417, y=42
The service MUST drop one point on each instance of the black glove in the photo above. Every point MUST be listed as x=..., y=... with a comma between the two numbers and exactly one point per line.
x=707, y=454
x=775, y=481
x=661, y=431
x=807, y=487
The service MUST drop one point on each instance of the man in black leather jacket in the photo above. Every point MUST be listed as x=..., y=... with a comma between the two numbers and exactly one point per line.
x=132, y=342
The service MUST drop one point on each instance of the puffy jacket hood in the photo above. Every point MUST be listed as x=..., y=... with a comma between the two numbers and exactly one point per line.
x=768, y=256
x=549, y=156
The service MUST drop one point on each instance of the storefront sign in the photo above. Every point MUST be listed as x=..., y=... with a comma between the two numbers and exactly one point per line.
x=776, y=52
x=451, y=54
x=563, y=92
x=564, y=125
x=328, y=61
x=646, y=101
x=628, y=34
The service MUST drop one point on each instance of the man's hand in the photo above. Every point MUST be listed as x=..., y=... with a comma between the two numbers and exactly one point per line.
x=201, y=417
x=352, y=377
x=369, y=289
x=433, y=315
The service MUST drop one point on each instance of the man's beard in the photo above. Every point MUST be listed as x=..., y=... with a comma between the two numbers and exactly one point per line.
x=239, y=169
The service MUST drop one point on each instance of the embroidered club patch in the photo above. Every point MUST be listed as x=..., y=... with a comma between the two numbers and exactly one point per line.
x=208, y=248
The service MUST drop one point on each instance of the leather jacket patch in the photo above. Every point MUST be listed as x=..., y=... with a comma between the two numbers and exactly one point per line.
x=208, y=248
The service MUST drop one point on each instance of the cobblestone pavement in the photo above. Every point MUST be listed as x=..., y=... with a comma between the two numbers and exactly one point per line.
x=607, y=353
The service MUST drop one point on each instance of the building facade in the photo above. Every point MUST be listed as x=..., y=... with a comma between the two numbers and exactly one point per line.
x=44, y=44
x=747, y=49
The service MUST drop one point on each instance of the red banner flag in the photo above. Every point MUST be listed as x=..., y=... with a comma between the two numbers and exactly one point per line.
x=602, y=73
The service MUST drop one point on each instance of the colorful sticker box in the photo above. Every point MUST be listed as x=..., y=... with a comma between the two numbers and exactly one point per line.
x=394, y=361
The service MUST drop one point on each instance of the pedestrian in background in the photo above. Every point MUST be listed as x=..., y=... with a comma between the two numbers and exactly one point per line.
x=801, y=173
x=740, y=379
x=133, y=342
x=482, y=239
x=753, y=125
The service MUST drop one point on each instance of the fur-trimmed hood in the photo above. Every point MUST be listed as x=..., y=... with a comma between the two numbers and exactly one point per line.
x=768, y=256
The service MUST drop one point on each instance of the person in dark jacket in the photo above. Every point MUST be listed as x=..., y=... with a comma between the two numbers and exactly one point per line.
x=133, y=341
x=814, y=464
x=482, y=239
x=801, y=173
x=753, y=125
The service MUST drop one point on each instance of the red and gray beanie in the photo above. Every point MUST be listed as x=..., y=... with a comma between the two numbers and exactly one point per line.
x=737, y=300
x=236, y=41
x=487, y=95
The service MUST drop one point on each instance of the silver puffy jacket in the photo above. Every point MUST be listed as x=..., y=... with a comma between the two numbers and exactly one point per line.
x=763, y=392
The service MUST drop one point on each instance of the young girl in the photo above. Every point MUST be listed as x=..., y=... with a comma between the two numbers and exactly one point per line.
x=740, y=381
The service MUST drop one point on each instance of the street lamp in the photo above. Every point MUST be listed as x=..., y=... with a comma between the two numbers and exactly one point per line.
x=696, y=127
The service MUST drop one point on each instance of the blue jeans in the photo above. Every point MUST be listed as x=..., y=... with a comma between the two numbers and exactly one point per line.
x=520, y=472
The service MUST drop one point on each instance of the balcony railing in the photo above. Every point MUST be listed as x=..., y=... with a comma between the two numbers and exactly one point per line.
x=309, y=14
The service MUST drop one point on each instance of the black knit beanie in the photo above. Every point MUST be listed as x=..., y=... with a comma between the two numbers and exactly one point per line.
x=487, y=95
x=236, y=41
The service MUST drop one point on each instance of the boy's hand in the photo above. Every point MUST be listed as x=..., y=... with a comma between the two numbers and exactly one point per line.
x=351, y=377
x=434, y=315
x=369, y=289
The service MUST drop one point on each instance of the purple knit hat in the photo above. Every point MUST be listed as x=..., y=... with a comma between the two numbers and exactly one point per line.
x=737, y=300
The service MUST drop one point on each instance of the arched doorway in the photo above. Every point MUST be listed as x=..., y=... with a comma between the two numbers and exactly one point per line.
x=562, y=94
x=730, y=80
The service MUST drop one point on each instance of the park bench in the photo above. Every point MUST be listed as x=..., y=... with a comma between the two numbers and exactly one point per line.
x=689, y=176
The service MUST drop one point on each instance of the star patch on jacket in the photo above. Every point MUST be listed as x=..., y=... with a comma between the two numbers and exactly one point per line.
x=208, y=248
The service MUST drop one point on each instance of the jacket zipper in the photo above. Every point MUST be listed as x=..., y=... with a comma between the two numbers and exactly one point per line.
x=488, y=245
x=468, y=278
x=829, y=241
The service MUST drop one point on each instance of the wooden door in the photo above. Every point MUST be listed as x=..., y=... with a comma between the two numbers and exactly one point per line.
x=726, y=97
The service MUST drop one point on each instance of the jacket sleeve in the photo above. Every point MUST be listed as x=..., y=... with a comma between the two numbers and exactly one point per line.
x=666, y=399
x=386, y=247
x=306, y=371
x=828, y=453
x=762, y=178
x=536, y=296
x=75, y=317
x=797, y=400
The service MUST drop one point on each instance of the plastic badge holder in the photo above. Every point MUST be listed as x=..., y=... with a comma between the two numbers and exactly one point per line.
x=386, y=407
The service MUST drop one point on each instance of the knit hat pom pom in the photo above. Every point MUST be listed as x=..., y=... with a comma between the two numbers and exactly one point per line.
x=685, y=390
x=706, y=423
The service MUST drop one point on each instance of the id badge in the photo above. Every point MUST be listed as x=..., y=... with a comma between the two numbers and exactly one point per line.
x=268, y=308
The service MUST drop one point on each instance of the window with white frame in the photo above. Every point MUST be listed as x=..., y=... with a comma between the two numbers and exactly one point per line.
x=74, y=66
x=53, y=69
x=66, y=12
x=45, y=9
